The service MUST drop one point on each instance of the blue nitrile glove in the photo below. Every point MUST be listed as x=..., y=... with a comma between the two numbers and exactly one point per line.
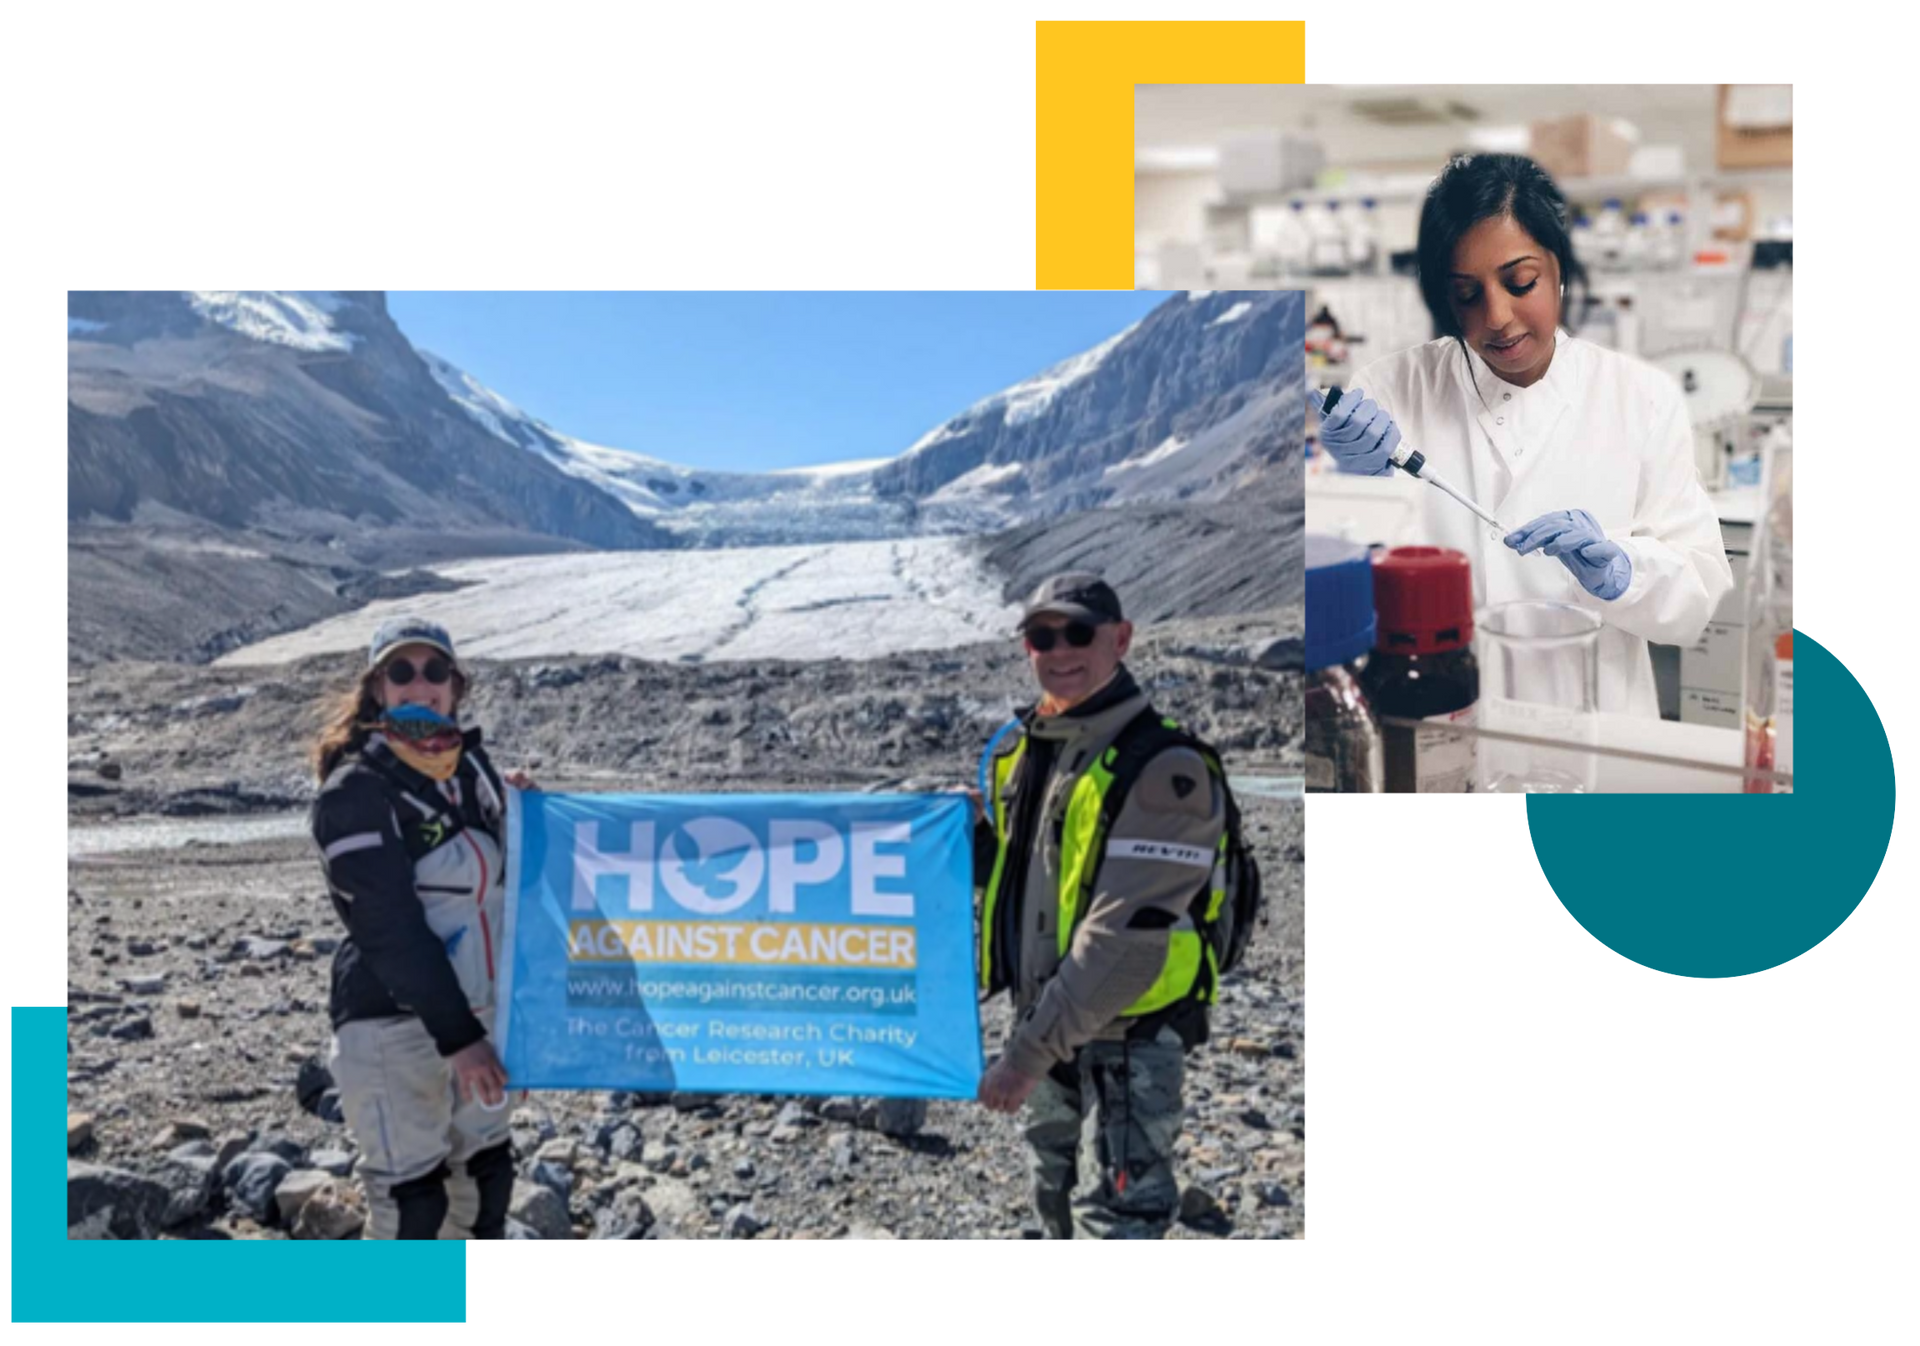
x=1575, y=538
x=1359, y=435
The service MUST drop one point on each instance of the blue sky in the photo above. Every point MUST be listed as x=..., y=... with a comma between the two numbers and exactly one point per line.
x=757, y=380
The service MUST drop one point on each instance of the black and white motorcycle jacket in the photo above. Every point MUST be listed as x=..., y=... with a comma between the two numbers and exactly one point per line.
x=417, y=871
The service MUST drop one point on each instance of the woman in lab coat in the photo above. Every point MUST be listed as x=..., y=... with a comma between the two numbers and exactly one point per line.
x=1585, y=455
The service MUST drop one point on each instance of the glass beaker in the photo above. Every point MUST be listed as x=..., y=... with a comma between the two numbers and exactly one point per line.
x=1539, y=679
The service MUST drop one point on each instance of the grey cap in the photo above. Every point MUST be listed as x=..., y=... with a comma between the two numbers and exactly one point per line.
x=398, y=631
x=1078, y=593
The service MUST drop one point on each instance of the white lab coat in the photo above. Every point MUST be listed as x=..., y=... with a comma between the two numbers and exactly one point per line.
x=1600, y=432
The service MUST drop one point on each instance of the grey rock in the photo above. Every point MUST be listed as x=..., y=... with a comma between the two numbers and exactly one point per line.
x=675, y=1204
x=191, y=1179
x=112, y=1203
x=1198, y=1206
x=625, y=1143
x=337, y=1162
x=333, y=1210
x=251, y=1181
x=295, y=1190
x=94, y=1223
x=840, y=1109
x=254, y=947
x=900, y=1117
x=540, y=1210
x=280, y=1143
x=626, y=1216
x=740, y=1222
x=556, y=1178
x=79, y=1131
x=517, y=1230
x=560, y=1150
x=231, y=1145
x=133, y=1030
x=144, y=985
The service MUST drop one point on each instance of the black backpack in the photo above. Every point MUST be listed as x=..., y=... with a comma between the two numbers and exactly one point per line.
x=1244, y=907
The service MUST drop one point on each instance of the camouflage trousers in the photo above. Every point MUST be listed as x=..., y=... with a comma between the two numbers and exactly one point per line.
x=1108, y=1118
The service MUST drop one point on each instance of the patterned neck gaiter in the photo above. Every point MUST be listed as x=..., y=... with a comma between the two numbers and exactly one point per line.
x=424, y=739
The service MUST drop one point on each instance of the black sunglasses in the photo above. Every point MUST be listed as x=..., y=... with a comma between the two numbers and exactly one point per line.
x=1040, y=639
x=436, y=671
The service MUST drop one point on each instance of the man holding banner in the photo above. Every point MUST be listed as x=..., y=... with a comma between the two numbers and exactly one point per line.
x=1107, y=827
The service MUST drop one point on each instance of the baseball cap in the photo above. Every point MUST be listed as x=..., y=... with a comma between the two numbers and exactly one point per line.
x=1077, y=593
x=398, y=631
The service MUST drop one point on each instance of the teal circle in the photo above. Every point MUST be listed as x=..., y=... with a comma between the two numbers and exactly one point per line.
x=1726, y=885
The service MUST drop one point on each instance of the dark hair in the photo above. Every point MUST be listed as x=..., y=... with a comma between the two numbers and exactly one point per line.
x=1476, y=187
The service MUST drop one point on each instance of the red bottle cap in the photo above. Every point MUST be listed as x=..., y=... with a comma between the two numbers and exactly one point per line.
x=1423, y=597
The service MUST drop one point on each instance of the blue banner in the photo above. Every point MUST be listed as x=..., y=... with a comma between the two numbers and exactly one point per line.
x=765, y=944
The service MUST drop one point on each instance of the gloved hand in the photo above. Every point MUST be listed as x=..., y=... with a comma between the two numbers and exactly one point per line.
x=1575, y=538
x=1359, y=435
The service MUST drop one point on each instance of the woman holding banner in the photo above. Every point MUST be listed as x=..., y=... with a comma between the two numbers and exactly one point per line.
x=410, y=822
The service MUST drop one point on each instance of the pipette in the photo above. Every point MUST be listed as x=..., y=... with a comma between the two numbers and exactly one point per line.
x=1411, y=461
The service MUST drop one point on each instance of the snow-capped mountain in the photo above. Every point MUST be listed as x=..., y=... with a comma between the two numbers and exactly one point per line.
x=832, y=502
x=311, y=413
x=1203, y=396
x=245, y=463
x=306, y=414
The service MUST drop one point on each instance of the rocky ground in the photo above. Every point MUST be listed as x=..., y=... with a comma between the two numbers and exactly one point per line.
x=180, y=740
x=197, y=975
